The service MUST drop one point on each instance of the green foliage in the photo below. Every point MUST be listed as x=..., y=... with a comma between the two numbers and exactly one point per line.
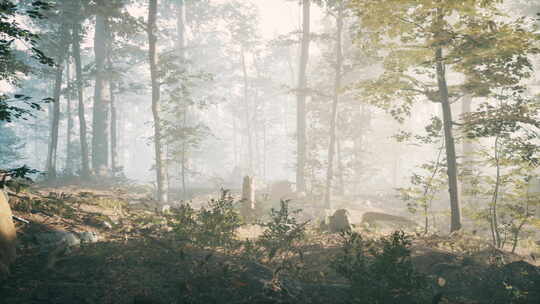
x=219, y=222
x=212, y=226
x=380, y=271
x=283, y=232
x=412, y=31
x=12, y=64
x=502, y=202
x=10, y=146
x=513, y=119
x=424, y=188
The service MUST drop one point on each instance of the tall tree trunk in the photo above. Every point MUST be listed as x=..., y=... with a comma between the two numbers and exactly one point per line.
x=69, y=130
x=235, y=143
x=333, y=118
x=494, y=221
x=113, y=122
x=102, y=99
x=181, y=46
x=55, y=122
x=249, y=131
x=181, y=29
x=85, y=163
x=161, y=169
x=183, y=159
x=301, y=99
x=467, y=147
x=341, y=170
x=455, y=212
x=114, y=133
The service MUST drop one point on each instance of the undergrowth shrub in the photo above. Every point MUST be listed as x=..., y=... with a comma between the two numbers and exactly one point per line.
x=280, y=244
x=219, y=222
x=380, y=271
x=282, y=232
x=212, y=226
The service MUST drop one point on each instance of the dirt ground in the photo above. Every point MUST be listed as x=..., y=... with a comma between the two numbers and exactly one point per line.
x=136, y=263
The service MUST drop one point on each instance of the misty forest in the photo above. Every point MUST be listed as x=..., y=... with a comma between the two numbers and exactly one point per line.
x=270, y=151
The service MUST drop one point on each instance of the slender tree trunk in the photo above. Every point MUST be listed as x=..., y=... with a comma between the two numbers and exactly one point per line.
x=333, y=118
x=181, y=28
x=113, y=119
x=161, y=169
x=102, y=98
x=301, y=99
x=235, y=143
x=249, y=130
x=265, y=147
x=113, y=131
x=455, y=221
x=55, y=122
x=340, y=175
x=467, y=147
x=495, y=197
x=183, y=159
x=69, y=131
x=85, y=163
x=181, y=46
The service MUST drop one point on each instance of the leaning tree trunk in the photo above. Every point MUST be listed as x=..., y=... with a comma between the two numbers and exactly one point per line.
x=333, y=118
x=161, y=170
x=102, y=98
x=85, y=163
x=301, y=100
x=455, y=213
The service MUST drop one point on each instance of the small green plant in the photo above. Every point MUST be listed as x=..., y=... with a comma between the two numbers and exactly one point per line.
x=380, y=271
x=219, y=223
x=212, y=226
x=283, y=232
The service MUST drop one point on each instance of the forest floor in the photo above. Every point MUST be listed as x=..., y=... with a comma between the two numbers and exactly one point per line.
x=138, y=260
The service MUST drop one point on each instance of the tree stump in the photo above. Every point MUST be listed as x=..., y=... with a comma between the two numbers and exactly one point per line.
x=248, y=198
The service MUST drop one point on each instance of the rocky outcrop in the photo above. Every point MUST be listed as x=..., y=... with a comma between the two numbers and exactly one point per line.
x=8, y=236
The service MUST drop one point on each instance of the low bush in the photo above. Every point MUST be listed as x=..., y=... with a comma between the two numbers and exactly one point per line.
x=380, y=271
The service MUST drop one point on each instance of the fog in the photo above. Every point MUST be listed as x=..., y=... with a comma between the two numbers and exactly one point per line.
x=348, y=114
x=269, y=151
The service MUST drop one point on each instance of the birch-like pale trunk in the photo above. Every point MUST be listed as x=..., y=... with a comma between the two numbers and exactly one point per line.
x=301, y=100
x=85, y=162
x=161, y=170
x=335, y=102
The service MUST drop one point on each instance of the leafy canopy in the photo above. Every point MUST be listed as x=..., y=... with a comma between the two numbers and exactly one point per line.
x=479, y=41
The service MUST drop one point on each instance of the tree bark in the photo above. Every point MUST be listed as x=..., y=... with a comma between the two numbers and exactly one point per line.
x=113, y=131
x=333, y=118
x=301, y=100
x=85, y=163
x=467, y=147
x=55, y=122
x=102, y=98
x=248, y=198
x=113, y=121
x=247, y=113
x=340, y=189
x=69, y=130
x=160, y=156
x=455, y=221
x=181, y=46
x=181, y=29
